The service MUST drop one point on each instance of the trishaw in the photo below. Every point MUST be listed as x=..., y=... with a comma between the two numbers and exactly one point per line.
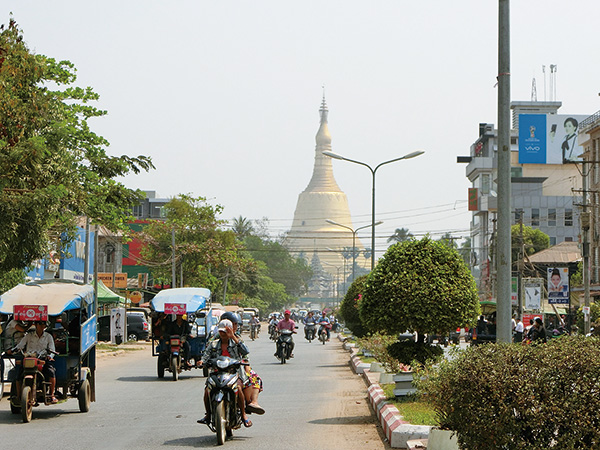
x=69, y=309
x=169, y=348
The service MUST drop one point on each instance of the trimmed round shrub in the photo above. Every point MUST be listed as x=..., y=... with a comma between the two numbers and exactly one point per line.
x=408, y=351
x=507, y=396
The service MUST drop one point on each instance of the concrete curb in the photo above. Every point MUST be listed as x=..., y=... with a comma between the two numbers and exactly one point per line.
x=397, y=431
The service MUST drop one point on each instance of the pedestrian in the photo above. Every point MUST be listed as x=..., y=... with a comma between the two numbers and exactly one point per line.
x=537, y=332
x=519, y=330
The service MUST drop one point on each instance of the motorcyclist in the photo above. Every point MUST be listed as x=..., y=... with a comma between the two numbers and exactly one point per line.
x=325, y=323
x=180, y=327
x=256, y=323
x=41, y=343
x=273, y=323
x=309, y=321
x=287, y=324
x=228, y=344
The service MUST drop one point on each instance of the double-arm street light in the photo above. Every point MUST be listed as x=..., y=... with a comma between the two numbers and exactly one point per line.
x=353, y=240
x=373, y=171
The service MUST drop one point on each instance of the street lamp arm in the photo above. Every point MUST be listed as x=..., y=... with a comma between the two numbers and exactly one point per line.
x=339, y=224
x=409, y=156
x=367, y=226
x=343, y=158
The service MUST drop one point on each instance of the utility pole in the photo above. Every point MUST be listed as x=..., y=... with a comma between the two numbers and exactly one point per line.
x=585, y=227
x=521, y=267
x=503, y=297
x=173, y=258
x=86, y=258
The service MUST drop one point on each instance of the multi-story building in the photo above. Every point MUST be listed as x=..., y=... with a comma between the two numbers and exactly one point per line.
x=543, y=194
x=589, y=139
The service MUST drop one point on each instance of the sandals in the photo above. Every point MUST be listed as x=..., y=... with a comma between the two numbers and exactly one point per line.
x=247, y=423
x=53, y=400
x=255, y=409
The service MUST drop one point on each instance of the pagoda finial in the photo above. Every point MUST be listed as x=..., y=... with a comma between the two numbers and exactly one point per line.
x=323, y=109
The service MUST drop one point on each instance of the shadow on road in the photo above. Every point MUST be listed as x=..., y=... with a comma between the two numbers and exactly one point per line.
x=199, y=441
x=154, y=379
x=353, y=420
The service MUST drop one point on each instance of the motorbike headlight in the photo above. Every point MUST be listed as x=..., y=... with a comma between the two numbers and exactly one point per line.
x=223, y=363
x=29, y=363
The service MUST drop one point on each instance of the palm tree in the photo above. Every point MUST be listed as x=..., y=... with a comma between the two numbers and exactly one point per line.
x=400, y=235
x=242, y=227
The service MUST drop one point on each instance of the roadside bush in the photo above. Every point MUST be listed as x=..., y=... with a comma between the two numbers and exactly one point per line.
x=408, y=351
x=349, y=307
x=506, y=396
x=377, y=344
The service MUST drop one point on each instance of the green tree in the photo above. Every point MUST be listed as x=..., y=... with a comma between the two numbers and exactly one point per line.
x=54, y=168
x=419, y=285
x=242, y=227
x=350, y=304
x=293, y=273
x=400, y=235
x=206, y=253
x=534, y=241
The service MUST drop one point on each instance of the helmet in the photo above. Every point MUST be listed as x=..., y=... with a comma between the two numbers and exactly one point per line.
x=235, y=318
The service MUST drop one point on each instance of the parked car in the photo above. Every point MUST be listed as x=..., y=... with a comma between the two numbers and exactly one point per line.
x=452, y=336
x=138, y=329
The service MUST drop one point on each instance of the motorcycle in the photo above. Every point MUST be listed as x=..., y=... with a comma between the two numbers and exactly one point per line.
x=323, y=331
x=273, y=332
x=309, y=332
x=171, y=358
x=284, y=345
x=222, y=384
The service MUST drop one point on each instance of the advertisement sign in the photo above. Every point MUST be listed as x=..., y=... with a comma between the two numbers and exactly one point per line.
x=473, y=199
x=175, y=308
x=558, y=285
x=532, y=291
x=135, y=297
x=117, y=325
x=30, y=313
x=88, y=334
x=514, y=291
x=120, y=280
x=549, y=138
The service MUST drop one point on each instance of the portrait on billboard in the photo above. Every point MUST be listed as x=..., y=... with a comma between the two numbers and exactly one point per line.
x=563, y=147
x=558, y=285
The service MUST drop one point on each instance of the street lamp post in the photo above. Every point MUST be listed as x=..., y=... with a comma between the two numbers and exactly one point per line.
x=354, y=231
x=373, y=171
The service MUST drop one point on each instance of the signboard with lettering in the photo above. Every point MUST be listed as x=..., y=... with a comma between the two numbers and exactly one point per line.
x=120, y=279
x=88, y=334
x=175, y=308
x=135, y=297
x=30, y=313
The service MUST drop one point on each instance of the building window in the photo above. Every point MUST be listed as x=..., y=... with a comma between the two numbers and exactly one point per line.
x=568, y=217
x=552, y=241
x=485, y=183
x=535, y=217
x=137, y=211
x=551, y=217
x=568, y=239
x=516, y=172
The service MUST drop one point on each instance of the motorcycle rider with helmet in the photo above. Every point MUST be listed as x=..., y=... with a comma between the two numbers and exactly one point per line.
x=309, y=321
x=180, y=327
x=287, y=324
x=325, y=323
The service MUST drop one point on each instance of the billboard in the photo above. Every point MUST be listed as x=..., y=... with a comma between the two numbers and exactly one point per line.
x=549, y=138
x=558, y=285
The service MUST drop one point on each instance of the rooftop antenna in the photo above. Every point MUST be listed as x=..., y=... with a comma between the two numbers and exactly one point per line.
x=533, y=91
x=553, y=68
x=544, y=72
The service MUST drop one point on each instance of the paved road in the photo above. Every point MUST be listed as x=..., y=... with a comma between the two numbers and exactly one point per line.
x=314, y=401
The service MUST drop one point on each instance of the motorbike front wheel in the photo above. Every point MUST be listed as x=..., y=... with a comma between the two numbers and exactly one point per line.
x=220, y=423
x=15, y=403
x=174, y=368
x=283, y=353
x=26, y=404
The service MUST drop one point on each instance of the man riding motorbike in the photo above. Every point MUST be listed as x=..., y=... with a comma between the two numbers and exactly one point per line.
x=229, y=343
x=40, y=342
x=325, y=323
x=286, y=324
x=180, y=327
x=309, y=324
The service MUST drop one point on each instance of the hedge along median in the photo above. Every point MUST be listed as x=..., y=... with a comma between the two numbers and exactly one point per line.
x=507, y=396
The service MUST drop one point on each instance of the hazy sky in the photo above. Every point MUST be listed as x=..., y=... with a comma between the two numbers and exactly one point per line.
x=224, y=95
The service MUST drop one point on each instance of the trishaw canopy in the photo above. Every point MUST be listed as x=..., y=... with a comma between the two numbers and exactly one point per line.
x=60, y=296
x=194, y=298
